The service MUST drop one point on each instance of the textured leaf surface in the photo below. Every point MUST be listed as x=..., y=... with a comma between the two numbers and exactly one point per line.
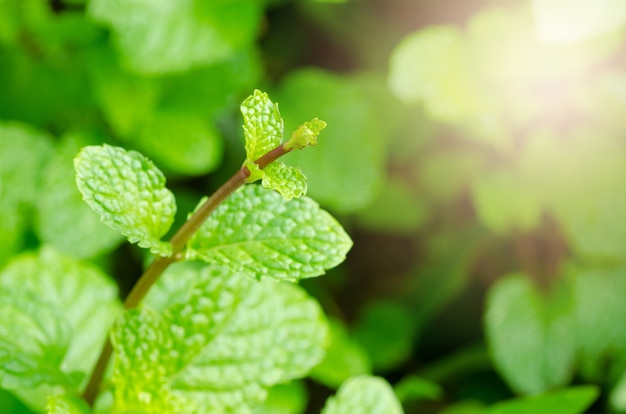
x=345, y=169
x=57, y=313
x=573, y=400
x=219, y=342
x=366, y=395
x=263, y=131
x=162, y=36
x=63, y=219
x=262, y=125
x=288, y=181
x=128, y=192
x=259, y=234
x=531, y=336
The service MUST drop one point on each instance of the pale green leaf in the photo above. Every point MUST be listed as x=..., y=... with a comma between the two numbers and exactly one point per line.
x=60, y=311
x=220, y=341
x=181, y=142
x=397, y=208
x=344, y=358
x=162, y=36
x=63, y=220
x=128, y=192
x=386, y=330
x=365, y=395
x=263, y=130
x=262, y=125
x=305, y=135
x=288, y=181
x=345, y=169
x=288, y=398
x=600, y=309
x=24, y=150
x=85, y=296
x=416, y=388
x=432, y=67
x=127, y=100
x=503, y=203
x=33, y=344
x=573, y=400
x=66, y=404
x=259, y=234
x=531, y=334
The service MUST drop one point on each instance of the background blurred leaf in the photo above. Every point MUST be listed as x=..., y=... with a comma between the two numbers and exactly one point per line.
x=63, y=219
x=365, y=394
x=531, y=334
x=573, y=400
x=162, y=37
x=344, y=358
x=68, y=307
x=288, y=398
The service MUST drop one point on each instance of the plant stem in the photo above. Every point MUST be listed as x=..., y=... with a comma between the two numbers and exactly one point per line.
x=178, y=241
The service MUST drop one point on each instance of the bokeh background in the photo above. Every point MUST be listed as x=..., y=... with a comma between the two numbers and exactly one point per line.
x=475, y=152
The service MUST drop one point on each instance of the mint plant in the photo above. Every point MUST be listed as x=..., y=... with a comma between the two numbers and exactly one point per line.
x=221, y=322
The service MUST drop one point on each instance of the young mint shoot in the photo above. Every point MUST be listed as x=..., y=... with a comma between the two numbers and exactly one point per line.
x=223, y=334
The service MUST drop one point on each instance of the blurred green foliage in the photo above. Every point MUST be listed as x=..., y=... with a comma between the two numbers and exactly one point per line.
x=474, y=151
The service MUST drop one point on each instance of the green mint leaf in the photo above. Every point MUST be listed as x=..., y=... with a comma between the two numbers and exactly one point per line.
x=161, y=36
x=33, y=344
x=397, y=208
x=262, y=126
x=432, y=66
x=259, y=234
x=288, y=181
x=346, y=169
x=288, y=398
x=412, y=388
x=574, y=400
x=218, y=343
x=128, y=192
x=599, y=334
x=386, y=330
x=305, y=135
x=366, y=395
x=187, y=143
x=63, y=220
x=531, y=335
x=24, y=151
x=503, y=203
x=58, y=312
x=66, y=404
x=111, y=88
x=263, y=131
x=344, y=358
